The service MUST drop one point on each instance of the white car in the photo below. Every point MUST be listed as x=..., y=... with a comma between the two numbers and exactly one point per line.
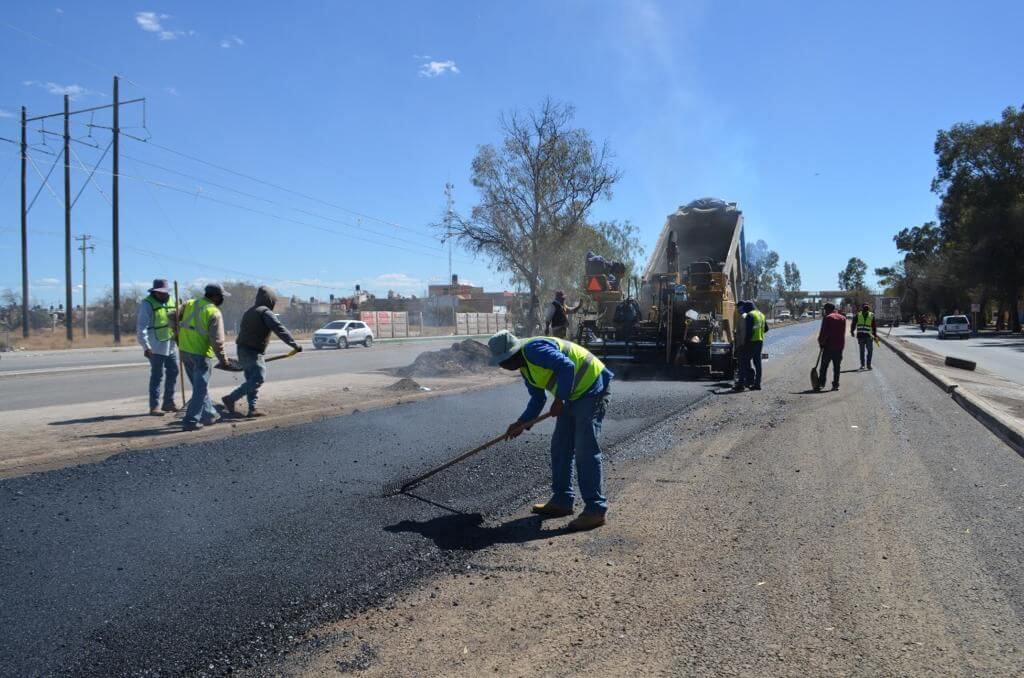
x=342, y=334
x=954, y=326
x=784, y=315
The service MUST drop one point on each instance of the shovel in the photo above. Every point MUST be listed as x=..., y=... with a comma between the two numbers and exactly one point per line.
x=815, y=381
x=400, y=486
x=233, y=366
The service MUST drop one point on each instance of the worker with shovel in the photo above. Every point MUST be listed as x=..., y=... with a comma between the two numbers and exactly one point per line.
x=200, y=339
x=580, y=384
x=253, y=338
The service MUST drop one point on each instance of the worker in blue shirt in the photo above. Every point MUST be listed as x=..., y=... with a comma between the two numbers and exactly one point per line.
x=580, y=384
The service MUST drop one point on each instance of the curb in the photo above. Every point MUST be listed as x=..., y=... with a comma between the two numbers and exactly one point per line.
x=941, y=382
x=990, y=418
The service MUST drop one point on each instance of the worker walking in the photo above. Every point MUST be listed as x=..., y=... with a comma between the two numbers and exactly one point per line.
x=866, y=330
x=556, y=322
x=580, y=384
x=155, y=335
x=750, y=339
x=200, y=339
x=252, y=341
x=832, y=340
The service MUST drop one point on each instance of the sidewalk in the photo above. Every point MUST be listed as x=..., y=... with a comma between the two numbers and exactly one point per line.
x=994, y=400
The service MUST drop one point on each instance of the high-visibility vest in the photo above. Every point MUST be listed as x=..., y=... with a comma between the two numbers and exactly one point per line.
x=757, y=333
x=864, y=322
x=194, y=333
x=161, y=317
x=587, y=368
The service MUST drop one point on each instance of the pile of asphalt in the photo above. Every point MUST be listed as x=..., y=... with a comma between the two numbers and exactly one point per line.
x=466, y=356
x=406, y=384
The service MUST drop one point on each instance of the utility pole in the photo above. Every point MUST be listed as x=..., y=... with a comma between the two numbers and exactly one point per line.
x=68, y=319
x=114, y=218
x=84, y=239
x=448, y=188
x=24, y=231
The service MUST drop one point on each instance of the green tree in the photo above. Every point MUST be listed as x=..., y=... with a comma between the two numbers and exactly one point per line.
x=536, y=191
x=790, y=284
x=980, y=178
x=761, y=269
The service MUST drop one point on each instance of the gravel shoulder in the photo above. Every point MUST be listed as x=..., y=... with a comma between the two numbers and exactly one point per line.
x=874, y=531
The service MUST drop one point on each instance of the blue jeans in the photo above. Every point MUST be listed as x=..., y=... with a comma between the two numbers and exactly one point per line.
x=255, y=371
x=159, y=366
x=199, y=370
x=865, y=344
x=576, y=432
x=750, y=364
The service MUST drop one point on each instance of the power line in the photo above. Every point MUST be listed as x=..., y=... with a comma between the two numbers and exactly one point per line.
x=66, y=50
x=271, y=184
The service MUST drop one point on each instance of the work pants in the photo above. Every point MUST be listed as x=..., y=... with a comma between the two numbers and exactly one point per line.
x=750, y=363
x=865, y=344
x=576, y=437
x=561, y=332
x=162, y=368
x=199, y=370
x=255, y=370
x=835, y=357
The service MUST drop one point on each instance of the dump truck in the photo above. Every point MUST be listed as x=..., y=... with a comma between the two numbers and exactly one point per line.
x=680, y=316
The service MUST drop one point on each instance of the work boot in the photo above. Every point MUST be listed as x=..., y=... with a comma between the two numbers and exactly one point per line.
x=191, y=426
x=549, y=510
x=229, y=404
x=253, y=413
x=156, y=412
x=835, y=387
x=755, y=387
x=738, y=387
x=586, y=521
x=170, y=407
x=869, y=367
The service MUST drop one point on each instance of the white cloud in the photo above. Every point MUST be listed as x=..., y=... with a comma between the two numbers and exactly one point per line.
x=73, y=91
x=47, y=282
x=151, y=22
x=59, y=10
x=6, y=114
x=433, y=69
x=399, y=282
x=173, y=91
x=233, y=41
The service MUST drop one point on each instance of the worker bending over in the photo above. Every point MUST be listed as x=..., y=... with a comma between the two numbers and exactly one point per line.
x=580, y=385
x=866, y=330
x=200, y=339
x=252, y=341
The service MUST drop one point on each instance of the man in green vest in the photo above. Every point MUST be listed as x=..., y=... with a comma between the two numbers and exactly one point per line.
x=155, y=333
x=580, y=385
x=866, y=331
x=200, y=339
x=751, y=334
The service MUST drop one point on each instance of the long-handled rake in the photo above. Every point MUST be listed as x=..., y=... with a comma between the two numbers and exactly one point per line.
x=402, y=485
x=233, y=365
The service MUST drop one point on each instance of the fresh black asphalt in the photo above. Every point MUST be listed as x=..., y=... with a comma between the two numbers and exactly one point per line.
x=208, y=557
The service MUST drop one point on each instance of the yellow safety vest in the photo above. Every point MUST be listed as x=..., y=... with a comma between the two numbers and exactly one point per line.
x=588, y=368
x=194, y=333
x=757, y=333
x=864, y=322
x=161, y=319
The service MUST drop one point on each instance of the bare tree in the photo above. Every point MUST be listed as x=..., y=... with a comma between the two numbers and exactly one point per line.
x=536, y=190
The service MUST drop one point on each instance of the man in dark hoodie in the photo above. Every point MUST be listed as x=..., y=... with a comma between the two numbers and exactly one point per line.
x=253, y=338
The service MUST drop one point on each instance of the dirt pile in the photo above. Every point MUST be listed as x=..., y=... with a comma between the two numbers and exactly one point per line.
x=467, y=356
x=406, y=384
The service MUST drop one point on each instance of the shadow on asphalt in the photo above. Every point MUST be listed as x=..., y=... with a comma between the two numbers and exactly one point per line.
x=809, y=391
x=466, y=532
x=141, y=433
x=96, y=420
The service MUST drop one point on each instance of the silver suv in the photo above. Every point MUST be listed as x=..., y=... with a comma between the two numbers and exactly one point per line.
x=342, y=334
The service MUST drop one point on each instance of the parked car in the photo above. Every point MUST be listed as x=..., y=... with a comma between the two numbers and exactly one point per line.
x=806, y=314
x=342, y=334
x=954, y=326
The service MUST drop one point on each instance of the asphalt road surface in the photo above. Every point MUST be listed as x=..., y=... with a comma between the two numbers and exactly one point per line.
x=1001, y=354
x=178, y=559
x=39, y=379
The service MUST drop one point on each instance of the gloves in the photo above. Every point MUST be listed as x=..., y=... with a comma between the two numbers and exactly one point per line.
x=515, y=429
x=296, y=348
x=148, y=353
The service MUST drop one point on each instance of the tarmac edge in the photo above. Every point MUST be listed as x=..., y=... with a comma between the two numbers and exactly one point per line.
x=994, y=421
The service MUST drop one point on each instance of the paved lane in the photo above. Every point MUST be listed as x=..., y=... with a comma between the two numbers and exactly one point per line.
x=177, y=558
x=93, y=375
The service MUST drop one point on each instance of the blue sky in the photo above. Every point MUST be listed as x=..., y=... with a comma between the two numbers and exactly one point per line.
x=817, y=118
